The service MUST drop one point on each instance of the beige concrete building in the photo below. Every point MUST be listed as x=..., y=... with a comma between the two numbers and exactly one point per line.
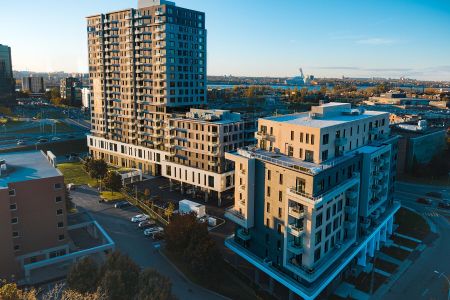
x=314, y=198
x=148, y=82
x=33, y=220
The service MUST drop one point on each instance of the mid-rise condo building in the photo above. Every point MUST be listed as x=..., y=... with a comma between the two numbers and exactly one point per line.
x=314, y=198
x=148, y=86
x=33, y=84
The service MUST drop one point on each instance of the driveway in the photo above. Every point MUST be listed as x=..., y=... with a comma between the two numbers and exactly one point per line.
x=132, y=241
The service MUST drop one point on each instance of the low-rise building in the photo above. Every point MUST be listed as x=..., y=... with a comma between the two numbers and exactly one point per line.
x=315, y=197
x=418, y=144
x=33, y=220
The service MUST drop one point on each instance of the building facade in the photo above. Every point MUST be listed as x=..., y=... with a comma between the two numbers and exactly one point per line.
x=33, y=219
x=315, y=196
x=148, y=81
x=86, y=98
x=34, y=85
x=6, y=74
x=70, y=90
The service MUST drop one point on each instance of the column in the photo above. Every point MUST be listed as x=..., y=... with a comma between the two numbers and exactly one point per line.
x=383, y=233
x=390, y=225
x=206, y=195
x=182, y=188
x=377, y=240
x=219, y=201
x=170, y=185
x=371, y=247
x=362, y=257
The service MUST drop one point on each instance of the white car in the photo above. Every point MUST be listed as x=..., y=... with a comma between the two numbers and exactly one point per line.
x=55, y=138
x=139, y=218
x=153, y=230
x=20, y=142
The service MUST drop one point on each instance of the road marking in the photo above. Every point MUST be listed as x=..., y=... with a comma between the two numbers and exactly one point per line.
x=425, y=292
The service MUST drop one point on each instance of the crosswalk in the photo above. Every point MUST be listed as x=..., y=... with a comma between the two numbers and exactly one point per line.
x=430, y=214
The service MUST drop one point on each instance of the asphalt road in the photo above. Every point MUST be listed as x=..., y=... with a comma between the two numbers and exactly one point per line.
x=132, y=241
x=420, y=281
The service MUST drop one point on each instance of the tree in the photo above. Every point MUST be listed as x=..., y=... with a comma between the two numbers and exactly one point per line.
x=83, y=276
x=169, y=211
x=113, y=181
x=87, y=164
x=98, y=169
x=189, y=239
x=147, y=193
x=154, y=286
x=10, y=291
x=119, y=277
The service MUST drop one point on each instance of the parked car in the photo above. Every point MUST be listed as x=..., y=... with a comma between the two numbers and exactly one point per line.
x=444, y=204
x=55, y=138
x=158, y=236
x=42, y=141
x=434, y=194
x=122, y=204
x=139, y=218
x=146, y=224
x=151, y=231
x=423, y=200
x=20, y=142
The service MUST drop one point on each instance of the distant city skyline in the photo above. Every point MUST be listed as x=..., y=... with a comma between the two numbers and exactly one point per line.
x=258, y=38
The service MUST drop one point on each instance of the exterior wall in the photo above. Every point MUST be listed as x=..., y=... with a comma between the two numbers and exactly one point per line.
x=424, y=147
x=40, y=222
x=33, y=84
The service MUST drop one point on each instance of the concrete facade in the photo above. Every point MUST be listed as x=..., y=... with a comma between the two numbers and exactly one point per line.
x=317, y=184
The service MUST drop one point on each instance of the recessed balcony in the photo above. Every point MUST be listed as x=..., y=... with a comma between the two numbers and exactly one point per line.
x=296, y=212
x=295, y=247
x=243, y=234
x=295, y=230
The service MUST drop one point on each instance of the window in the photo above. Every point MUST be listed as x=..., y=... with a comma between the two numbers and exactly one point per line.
x=292, y=135
x=279, y=228
x=60, y=224
x=326, y=138
x=13, y=206
x=339, y=205
x=325, y=250
x=58, y=186
x=268, y=222
x=58, y=199
x=325, y=155
x=268, y=207
x=317, y=254
x=328, y=230
x=312, y=139
x=328, y=213
x=16, y=247
x=280, y=196
x=290, y=151
x=281, y=178
x=15, y=234
x=12, y=192
x=300, y=184
x=301, y=137
x=14, y=220
x=280, y=212
x=61, y=237
x=268, y=174
x=318, y=236
x=319, y=220
x=309, y=155
x=268, y=191
x=307, y=138
x=59, y=212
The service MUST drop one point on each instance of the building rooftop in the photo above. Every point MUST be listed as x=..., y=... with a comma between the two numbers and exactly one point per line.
x=24, y=166
x=326, y=115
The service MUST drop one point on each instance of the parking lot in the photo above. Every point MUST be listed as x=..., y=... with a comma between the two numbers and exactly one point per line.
x=131, y=240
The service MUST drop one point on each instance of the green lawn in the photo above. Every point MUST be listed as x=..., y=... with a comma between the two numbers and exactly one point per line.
x=109, y=196
x=74, y=173
x=225, y=281
x=411, y=224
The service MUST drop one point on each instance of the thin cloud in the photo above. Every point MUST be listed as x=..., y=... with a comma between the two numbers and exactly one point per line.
x=375, y=41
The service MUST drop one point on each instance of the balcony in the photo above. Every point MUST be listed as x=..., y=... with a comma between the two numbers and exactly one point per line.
x=213, y=134
x=264, y=135
x=295, y=247
x=295, y=230
x=340, y=141
x=296, y=212
x=237, y=217
x=243, y=234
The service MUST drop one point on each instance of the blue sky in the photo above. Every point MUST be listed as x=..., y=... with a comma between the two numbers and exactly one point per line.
x=360, y=38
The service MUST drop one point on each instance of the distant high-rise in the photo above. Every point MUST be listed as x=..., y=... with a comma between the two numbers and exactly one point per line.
x=6, y=74
x=34, y=85
x=70, y=89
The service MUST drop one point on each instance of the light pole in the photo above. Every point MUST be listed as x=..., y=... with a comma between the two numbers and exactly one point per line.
x=448, y=281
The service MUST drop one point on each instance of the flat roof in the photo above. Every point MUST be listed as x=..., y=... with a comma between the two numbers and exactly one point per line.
x=25, y=166
x=304, y=119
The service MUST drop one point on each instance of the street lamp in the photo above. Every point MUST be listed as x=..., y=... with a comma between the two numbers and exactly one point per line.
x=448, y=281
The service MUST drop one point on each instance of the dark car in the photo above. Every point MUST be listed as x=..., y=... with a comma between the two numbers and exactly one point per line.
x=444, y=204
x=423, y=200
x=122, y=204
x=158, y=236
x=146, y=224
x=42, y=141
x=434, y=194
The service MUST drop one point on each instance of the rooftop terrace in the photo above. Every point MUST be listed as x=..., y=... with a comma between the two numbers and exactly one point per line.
x=24, y=166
